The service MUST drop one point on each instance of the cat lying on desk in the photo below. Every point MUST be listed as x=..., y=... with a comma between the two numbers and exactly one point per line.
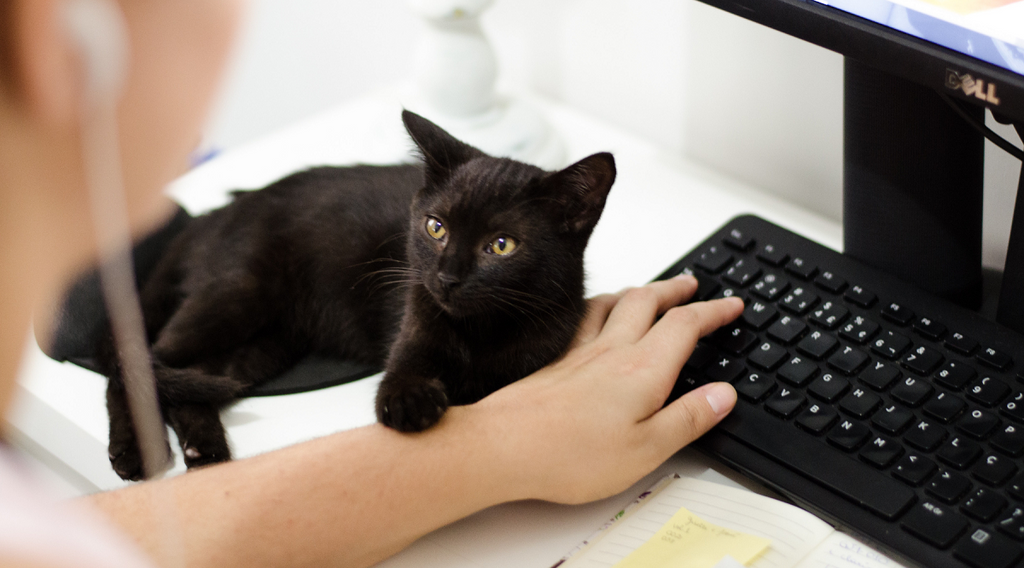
x=476, y=285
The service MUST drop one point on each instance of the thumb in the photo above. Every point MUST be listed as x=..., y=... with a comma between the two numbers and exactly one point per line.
x=693, y=414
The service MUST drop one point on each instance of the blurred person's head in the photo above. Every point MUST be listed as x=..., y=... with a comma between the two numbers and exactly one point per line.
x=177, y=51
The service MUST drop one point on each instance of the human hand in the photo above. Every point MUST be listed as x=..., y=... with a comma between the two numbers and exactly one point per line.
x=593, y=423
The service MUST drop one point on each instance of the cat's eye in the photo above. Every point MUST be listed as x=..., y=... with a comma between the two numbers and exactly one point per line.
x=502, y=246
x=435, y=228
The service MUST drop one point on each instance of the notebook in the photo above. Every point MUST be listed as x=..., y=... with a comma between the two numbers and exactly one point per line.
x=798, y=538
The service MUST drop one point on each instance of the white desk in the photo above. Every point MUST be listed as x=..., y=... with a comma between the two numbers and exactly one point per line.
x=659, y=208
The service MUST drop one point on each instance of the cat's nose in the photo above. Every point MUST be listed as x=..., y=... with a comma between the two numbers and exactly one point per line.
x=448, y=281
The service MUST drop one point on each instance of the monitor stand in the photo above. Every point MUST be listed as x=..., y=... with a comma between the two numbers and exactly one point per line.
x=1011, y=297
x=912, y=184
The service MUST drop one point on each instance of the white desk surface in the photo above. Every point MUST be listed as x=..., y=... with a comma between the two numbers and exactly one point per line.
x=659, y=208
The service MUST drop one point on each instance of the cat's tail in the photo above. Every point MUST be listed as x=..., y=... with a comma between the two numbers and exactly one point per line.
x=194, y=386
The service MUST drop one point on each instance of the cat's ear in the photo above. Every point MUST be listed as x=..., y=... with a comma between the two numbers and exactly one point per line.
x=582, y=189
x=442, y=152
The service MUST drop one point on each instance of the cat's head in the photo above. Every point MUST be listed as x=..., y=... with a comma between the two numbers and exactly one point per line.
x=496, y=235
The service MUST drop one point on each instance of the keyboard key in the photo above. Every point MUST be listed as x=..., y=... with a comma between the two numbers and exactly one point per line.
x=944, y=407
x=742, y=273
x=959, y=452
x=949, y=486
x=785, y=402
x=994, y=470
x=1016, y=487
x=759, y=315
x=701, y=356
x=817, y=345
x=880, y=375
x=914, y=469
x=738, y=240
x=985, y=549
x=725, y=369
x=772, y=255
x=770, y=287
x=859, y=330
x=860, y=403
x=961, y=343
x=978, y=424
x=787, y=330
x=767, y=356
x=734, y=339
x=848, y=360
x=929, y=328
x=829, y=387
x=706, y=289
x=829, y=315
x=897, y=313
x=922, y=360
x=955, y=375
x=817, y=418
x=859, y=483
x=860, y=297
x=714, y=260
x=988, y=391
x=925, y=435
x=1010, y=441
x=890, y=344
x=984, y=504
x=799, y=301
x=829, y=281
x=911, y=391
x=754, y=386
x=686, y=382
x=1012, y=523
x=801, y=268
x=848, y=435
x=935, y=524
x=995, y=359
x=728, y=292
x=892, y=419
x=798, y=371
x=881, y=451
x=1013, y=408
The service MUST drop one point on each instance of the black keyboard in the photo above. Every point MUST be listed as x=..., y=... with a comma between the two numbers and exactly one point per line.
x=878, y=406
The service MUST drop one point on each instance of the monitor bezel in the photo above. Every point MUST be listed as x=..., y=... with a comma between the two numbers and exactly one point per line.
x=884, y=48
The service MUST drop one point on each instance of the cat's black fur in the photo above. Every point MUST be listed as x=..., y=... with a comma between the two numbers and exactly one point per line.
x=338, y=261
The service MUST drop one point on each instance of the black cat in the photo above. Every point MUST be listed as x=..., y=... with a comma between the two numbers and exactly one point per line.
x=460, y=275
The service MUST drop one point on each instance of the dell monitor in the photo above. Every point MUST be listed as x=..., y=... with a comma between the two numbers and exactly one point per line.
x=919, y=75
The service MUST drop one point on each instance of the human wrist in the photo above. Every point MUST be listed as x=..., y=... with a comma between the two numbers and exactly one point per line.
x=493, y=458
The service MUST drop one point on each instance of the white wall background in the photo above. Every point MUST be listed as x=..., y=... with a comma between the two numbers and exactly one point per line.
x=743, y=99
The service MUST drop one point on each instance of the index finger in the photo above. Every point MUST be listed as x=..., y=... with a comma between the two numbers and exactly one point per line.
x=675, y=335
x=634, y=314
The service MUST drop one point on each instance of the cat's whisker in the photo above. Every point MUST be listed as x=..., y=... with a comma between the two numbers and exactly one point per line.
x=506, y=304
x=549, y=306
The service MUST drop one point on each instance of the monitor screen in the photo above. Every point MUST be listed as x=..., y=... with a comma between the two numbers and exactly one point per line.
x=990, y=30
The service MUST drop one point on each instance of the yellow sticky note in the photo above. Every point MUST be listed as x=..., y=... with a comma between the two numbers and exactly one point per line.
x=687, y=541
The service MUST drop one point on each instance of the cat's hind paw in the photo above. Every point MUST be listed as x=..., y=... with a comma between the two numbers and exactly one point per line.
x=413, y=407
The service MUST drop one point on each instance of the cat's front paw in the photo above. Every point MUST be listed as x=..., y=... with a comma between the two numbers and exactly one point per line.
x=411, y=407
x=126, y=459
x=211, y=452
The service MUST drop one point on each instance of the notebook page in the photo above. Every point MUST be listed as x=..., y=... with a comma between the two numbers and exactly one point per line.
x=841, y=550
x=794, y=532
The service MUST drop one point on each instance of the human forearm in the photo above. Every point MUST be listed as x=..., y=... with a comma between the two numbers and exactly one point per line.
x=345, y=500
x=580, y=429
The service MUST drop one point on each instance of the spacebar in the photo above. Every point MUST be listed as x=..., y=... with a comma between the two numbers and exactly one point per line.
x=794, y=449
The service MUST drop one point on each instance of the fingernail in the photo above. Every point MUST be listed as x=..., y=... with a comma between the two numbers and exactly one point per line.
x=684, y=276
x=721, y=397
